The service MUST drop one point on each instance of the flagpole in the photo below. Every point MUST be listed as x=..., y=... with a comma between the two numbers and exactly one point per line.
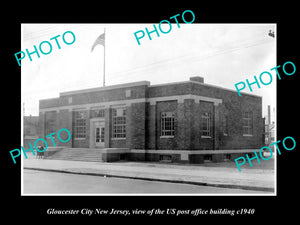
x=104, y=60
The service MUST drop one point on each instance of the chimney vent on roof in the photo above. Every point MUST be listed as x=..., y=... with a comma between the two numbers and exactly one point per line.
x=197, y=79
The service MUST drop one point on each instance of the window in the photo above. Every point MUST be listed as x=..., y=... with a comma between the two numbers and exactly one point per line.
x=225, y=125
x=80, y=124
x=207, y=158
x=122, y=156
x=119, y=123
x=167, y=124
x=205, y=124
x=166, y=158
x=102, y=135
x=70, y=100
x=227, y=157
x=247, y=123
x=128, y=93
x=50, y=122
x=97, y=113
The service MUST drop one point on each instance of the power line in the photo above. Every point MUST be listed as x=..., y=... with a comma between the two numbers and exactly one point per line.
x=195, y=58
x=190, y=58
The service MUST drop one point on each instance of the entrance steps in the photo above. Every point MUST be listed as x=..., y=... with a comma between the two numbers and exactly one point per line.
x=78, y=154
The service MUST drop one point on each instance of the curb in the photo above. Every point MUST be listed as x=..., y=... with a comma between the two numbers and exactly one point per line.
x=232, y=186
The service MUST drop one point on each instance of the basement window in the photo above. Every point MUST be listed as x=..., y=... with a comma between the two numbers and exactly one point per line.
x=227, y=157
x=165, y=158
x=207, y=158
x=122, y=157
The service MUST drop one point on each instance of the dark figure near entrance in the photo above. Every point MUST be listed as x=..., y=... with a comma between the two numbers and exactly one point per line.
x=40, y=155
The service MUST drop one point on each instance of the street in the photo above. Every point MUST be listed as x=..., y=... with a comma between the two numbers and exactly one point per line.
x=42, y=182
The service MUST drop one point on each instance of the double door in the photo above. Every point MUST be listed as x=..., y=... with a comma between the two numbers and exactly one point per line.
x=97, y=133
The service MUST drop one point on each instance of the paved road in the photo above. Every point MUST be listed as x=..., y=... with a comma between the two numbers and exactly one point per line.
x=41, y=182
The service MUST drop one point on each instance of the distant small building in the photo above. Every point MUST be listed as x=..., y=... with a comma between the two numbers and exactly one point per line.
x=269, y=129
x=186, y=121
x=30, y=129
x=270, y=133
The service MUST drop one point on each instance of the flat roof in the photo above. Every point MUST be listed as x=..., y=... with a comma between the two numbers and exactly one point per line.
x=117, y=86
x=204, y=84
x=146, y=83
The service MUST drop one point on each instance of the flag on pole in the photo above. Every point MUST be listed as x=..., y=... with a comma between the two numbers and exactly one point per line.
x=99, y=41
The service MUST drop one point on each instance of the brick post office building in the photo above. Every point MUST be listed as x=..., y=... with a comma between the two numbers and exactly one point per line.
x=186, y=121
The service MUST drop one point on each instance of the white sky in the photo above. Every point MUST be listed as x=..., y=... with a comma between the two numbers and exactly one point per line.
x=224, y=54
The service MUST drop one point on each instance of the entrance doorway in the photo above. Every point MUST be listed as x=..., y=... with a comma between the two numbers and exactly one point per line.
x=97, y=133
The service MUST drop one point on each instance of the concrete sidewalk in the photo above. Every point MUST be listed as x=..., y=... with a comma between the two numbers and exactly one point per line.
x=213, y=175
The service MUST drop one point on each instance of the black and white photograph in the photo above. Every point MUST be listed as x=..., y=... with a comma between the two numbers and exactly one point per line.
x=150, y=111
x=129, y=109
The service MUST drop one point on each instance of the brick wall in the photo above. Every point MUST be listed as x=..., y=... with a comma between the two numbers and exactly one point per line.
x=107, y=122
x=169, y=90
x=202, y=142
x=104, y=96
x=47, y=103
x=41, y=129
x=150, y=139
x=143, y=120
x=185, y=120
x=64, y=120
x=81, y=143
x=137, y=126
x=233, y=108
